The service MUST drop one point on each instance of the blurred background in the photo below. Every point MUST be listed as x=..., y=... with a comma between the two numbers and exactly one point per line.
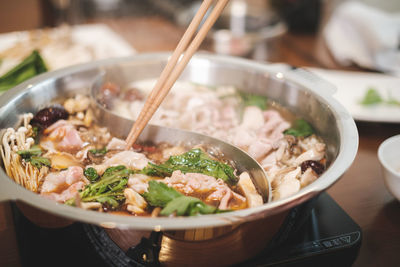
x=302, y=15
x=248, y=28
x=354, y=44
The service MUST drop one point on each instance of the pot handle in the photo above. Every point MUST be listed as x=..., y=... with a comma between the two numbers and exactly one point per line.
x=314, y=80
x=8, y=189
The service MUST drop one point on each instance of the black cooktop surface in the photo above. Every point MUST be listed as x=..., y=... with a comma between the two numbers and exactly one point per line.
x=327, y=236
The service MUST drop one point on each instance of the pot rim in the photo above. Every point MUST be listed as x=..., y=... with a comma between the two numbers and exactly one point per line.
x=10, y=190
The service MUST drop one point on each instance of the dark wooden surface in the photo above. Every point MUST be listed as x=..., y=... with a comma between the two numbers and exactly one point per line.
x=360, y=192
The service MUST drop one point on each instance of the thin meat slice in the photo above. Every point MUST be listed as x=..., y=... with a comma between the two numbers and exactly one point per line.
x=63, y=185
x=117, y=144
x=130, y=159
x=64, y=136
x=210, y=190
x=68, y=193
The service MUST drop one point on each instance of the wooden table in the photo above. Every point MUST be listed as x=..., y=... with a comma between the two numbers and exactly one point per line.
x=360, y=192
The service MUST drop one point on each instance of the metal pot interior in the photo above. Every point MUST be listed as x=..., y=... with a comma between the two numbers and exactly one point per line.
x=331, y=121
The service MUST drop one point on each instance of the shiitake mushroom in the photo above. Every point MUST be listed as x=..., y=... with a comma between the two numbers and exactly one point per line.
x=316, y=166
x=47, y=116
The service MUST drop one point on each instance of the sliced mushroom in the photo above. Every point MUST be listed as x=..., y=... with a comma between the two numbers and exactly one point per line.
x=91, y=206
x=245, y=184
x=135, y=202
x=287, y=188
x=63, y=160
x=308, y=177
x=316, y=153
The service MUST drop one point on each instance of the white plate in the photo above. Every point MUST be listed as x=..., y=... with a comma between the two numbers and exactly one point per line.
x=352, y=87
x=88, y=42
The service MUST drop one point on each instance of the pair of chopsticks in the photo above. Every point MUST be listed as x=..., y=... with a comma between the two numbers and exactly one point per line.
x=173, y=69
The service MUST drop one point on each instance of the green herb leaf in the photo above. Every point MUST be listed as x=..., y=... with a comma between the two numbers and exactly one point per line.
x=372, y=97
x=120, y=186
x=98, y=152
x=91, y=174
x=28, y=153
x=36, y=134
x=32, y=155
x=392, y=101
x=300, y=128
x=195, y=161
x=28, y=68
x=108, y=200
x=70, y=202
x=109, y=189
x=254, y=100
x=187, y=206
x=113, y=171
x=160, y=195
x=38, y=162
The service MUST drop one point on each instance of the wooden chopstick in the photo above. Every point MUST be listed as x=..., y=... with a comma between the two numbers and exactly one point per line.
x=173, y=69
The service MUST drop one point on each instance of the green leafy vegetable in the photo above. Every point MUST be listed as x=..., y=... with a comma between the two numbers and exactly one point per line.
x=35, y=134
x=28, y=153
x=38, y=162
x=300, y=128
x=109, y=200
x=393, y=101
x=160, y=195
x=91, y=174
x=98, y=152
x=371, y=97
x=108, y=190
x=254, y=100
x=32, y=155
x=195, y=161
x=28, y=68
x=187, y=206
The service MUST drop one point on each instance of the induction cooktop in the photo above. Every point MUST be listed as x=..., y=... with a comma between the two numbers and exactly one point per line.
x=317, y=233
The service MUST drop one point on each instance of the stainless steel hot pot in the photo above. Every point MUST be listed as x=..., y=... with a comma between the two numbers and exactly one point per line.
x=299, y=91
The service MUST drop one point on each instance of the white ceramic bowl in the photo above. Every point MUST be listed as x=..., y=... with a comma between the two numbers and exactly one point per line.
x=389, y=157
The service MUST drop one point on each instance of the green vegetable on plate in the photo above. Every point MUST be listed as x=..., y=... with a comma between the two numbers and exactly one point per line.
x=28, y=68
x=372, y=97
